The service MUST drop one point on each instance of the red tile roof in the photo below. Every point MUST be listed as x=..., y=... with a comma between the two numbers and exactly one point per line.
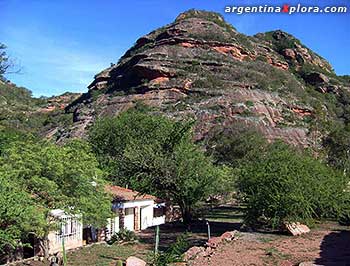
x=125, y=194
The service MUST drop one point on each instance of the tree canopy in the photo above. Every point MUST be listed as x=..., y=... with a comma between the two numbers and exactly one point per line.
x=284, y=185
x=153, y=154
x=48, y=177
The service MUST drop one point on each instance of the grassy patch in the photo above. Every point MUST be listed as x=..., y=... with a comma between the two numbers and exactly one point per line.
x=105, y=255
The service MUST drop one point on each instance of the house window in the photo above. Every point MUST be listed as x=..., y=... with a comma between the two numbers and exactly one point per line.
x=69, y=229
x=158, y=211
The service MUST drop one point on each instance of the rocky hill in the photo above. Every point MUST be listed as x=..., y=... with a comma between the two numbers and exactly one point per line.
x=21, y=111
x=200, y=67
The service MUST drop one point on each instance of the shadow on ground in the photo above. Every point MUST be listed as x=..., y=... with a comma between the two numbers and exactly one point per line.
x=198, y=232
x=335, y=249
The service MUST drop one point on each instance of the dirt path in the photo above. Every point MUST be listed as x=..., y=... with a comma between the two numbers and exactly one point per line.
x=323, y=247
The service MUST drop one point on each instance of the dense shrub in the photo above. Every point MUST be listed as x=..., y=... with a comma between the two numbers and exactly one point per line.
x=284, y=185
x=124, y=235
x=173, y=254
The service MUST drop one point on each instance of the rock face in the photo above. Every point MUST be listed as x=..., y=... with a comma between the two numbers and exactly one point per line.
x=200, y=67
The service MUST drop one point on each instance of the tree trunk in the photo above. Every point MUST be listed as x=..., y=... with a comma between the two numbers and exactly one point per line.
x=186, y=212
x=44, y=247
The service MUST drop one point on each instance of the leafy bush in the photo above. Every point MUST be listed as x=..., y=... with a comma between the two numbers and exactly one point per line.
x=124, y=235
x=344, y=217
x=173, y=254
x=284, y=185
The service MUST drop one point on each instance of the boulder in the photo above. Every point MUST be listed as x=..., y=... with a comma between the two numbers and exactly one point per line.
x=297, y=228
x=134, y=261
x=228, y=236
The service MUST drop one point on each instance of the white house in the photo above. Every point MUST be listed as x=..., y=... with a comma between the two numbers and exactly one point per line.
x=133, y=211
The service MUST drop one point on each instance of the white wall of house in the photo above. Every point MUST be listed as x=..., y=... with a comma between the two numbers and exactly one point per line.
x=129, y=219
x=158, y=220
x=146, y=216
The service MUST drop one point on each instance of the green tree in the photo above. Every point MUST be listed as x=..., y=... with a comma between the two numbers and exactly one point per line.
x=19, y=217
x=64, y=177
x=337, y=145
x=285, y=185
x=153, y=154
x=235, y=144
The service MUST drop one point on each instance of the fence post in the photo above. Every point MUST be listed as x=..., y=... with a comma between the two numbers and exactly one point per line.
x=64, y=253
x=157, y=240
x=208, y=225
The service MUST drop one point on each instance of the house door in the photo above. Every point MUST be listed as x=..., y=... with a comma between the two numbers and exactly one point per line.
x=129, y=219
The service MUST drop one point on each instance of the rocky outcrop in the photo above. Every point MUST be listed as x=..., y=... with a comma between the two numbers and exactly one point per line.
x=59, y=102
x=200, y=67
x=210, y=247
x=315, y=78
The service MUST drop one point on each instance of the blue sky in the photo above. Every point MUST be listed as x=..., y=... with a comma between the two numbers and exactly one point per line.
x=61, y=45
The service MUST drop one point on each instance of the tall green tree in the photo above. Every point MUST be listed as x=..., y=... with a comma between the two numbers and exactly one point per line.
x=153, y=154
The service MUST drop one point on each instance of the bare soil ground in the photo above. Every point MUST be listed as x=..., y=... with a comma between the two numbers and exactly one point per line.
x=328, y=245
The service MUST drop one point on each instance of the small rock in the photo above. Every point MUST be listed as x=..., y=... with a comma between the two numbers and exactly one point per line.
x=134, y=261
x=297, y=229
